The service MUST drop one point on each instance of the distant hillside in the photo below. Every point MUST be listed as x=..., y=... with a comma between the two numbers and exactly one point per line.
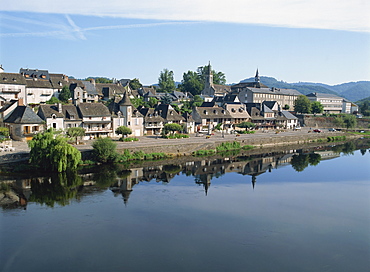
x=353, y=91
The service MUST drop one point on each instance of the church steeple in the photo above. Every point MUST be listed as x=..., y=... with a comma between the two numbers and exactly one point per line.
x=257, y=77
x=209, y=77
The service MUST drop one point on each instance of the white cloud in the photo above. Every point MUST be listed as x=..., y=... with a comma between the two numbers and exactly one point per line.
x=319, y=14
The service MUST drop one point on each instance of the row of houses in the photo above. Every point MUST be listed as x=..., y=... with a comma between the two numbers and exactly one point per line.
x=223, y=105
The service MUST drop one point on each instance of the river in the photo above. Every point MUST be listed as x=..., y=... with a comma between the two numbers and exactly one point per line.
x=296, y=210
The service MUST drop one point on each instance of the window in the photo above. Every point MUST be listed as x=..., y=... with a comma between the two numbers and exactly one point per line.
x=54, y=125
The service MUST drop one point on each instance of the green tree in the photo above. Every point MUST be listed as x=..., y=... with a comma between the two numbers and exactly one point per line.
x=192, y=83
x=172, y=127
x=53, y=153
x=104, y=150
x=137, y=102
x=246, y=125
x=53, y=100
x=218, y=77
x=123, y=130
x=197, y=101
x=135, y=84
x=75, y=132
x=152, y=102
x=302, y=104
x=65, y=94
x=350, y=121
x=338, y=121
x=166, y=81
x=286, y=107
x=316, y=107
x=4, y=131
x=99, y=79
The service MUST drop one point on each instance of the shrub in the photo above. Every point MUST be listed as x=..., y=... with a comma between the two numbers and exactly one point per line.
x=104, y=150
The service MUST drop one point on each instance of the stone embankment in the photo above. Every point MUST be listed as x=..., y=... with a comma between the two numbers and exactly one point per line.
x=185, y=147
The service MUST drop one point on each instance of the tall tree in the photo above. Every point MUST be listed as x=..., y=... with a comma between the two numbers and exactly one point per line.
x=350, y=121
x=104, y=150
x=75, y=132
x=52, y=153
x=65, y=94
x=316, y=107
x=166, y=81
x=166, y=99
x=192, y=83
x=302, y=104
x=135, y=84
x=123, y=130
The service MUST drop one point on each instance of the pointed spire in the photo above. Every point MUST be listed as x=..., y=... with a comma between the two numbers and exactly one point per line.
x=257, y=76
x=125, y=100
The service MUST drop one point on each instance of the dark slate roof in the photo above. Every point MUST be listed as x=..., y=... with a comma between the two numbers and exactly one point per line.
x=168, y=113
x=266, y=108
x=89, y=87
x=275, y=91
x=24, y=115
x=126, y=100
x=109, y=89
x=12, y=78
x=151, y=115
x=69, y=111
x=35, y=73
x=49, y=110
x=288, y=115
x=208, y=104
x=224, y=89
x=212, y=112
x=39, y=83
x=270, y=104
x=188, y=117
x=231, y=98
x=323, y=95
x=93, y=110
x=7, y=105
x=253, y=84
x=58, y=81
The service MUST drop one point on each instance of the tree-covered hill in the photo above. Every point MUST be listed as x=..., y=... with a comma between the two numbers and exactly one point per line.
x=353, y=91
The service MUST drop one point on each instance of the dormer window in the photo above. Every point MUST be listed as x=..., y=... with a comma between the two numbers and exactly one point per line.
x=223, y=111
x=215, y=111
x=205, y=112
x=53, y=116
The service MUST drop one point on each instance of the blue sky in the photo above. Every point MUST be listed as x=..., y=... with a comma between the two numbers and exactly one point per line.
x=312, y=41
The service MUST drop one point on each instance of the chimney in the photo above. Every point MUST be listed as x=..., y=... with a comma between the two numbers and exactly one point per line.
x=60, y=107
x=20, y=102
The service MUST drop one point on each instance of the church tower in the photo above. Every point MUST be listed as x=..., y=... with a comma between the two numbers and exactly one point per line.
x=257, y=77
x=209, y=76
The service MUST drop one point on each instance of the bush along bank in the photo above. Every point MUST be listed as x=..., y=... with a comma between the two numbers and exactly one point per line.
x=223, y=147
x=140, y=156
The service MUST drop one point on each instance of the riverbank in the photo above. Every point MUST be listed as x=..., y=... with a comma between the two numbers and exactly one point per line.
x=186, y=146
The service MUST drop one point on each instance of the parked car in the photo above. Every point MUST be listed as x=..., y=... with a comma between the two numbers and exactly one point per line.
x=297, y=128
x=317, y=130
x=332, y=129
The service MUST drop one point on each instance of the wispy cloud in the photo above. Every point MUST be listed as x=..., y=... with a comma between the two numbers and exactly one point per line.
x=69, y=29
x=318, y=14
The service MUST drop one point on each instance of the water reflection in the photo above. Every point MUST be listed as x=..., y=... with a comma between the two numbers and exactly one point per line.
x=60, y=189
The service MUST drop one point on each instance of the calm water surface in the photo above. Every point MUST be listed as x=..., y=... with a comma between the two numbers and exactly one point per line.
x=255, y=215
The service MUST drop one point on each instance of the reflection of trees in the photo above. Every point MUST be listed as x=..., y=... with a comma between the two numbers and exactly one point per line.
x=301, y=161
x=106, y=176
x=172, y=168
x=363, y=151
x=314, y=159
x=57, y=189
x=347, y=148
